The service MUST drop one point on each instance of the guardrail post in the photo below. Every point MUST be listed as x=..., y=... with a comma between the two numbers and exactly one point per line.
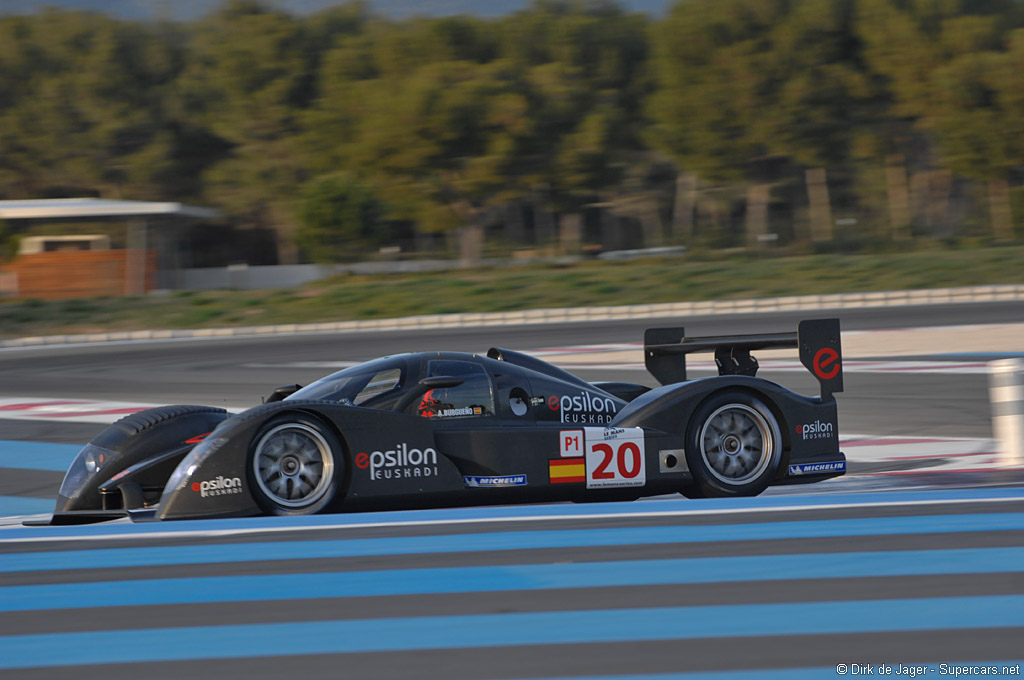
x=1006, y=394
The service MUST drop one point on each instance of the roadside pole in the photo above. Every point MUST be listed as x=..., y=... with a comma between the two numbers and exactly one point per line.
x=1006, y=394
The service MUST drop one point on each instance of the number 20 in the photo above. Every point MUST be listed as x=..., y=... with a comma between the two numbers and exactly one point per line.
x=627, y=459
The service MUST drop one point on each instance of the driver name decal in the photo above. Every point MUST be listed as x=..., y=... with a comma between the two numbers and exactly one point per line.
x=400, y=462
x=453, y=412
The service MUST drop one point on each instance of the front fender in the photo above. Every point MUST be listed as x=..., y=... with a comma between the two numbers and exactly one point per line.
x=212, y=480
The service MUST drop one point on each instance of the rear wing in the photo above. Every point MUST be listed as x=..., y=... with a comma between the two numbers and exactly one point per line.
x=665, y=351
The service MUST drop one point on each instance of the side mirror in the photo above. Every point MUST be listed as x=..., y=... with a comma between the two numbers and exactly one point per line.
x=432, y=383
x=282, y=392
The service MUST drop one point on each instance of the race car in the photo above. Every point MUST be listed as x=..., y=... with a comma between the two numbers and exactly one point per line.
x=436, y=429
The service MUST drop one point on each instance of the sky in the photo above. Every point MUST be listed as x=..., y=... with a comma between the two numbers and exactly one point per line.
x=185, y=10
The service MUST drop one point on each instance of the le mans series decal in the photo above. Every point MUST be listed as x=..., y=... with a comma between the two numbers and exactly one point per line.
x=601, y=457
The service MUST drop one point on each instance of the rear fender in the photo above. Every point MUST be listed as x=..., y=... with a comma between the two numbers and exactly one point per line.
x=809, y=425
x=670, y=407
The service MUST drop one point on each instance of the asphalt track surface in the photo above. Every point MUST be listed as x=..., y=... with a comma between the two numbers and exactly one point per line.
x=237, y=372
x=793, y=586
x=774, y=587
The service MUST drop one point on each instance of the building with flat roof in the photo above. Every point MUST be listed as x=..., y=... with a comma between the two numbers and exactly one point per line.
x=61, y=266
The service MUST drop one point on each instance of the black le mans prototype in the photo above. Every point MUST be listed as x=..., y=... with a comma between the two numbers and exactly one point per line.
x=445, y=428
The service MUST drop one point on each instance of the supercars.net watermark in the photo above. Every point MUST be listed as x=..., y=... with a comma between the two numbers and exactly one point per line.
x=948, y=670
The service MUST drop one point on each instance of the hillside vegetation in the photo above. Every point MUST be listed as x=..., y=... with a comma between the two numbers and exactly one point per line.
x=804, y=121
x=519, y=287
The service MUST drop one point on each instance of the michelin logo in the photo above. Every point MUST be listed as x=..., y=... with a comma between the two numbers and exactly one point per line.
x=482, y=482
x=816, y=468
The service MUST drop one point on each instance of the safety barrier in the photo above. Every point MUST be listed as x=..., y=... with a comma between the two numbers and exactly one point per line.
x=801, y=303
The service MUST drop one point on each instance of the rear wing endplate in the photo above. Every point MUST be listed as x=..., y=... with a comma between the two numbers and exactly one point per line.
x=665, y=351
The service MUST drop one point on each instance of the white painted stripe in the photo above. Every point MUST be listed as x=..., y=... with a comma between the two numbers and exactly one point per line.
x=292, y=528
x=68, y=410
x=74, y=410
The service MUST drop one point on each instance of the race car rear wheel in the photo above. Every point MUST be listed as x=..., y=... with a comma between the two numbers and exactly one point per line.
x=733, y=446
x=295, y=464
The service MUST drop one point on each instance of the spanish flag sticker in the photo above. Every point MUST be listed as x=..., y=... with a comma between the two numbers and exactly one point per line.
x=563, y=470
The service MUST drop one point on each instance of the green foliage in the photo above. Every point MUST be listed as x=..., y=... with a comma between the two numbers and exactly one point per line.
x=745, y=83
x=8, y=243
x=336, y=214
x=513, y=288
x=954, y=67
x=561, y=106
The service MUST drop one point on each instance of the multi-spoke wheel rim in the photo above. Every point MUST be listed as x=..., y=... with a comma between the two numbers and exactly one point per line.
x=736, y=444
x=293, y=465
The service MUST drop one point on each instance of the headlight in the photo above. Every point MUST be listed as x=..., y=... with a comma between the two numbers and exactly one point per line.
x=87, y=463
x=94, y=460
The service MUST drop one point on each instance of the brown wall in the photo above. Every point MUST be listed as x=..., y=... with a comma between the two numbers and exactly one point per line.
x=84, y=273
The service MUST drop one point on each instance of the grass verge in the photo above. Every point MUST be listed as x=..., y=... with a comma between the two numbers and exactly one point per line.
x=590, y=283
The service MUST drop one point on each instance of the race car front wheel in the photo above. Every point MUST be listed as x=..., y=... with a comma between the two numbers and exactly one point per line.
x=295, y=464
x=733, y=446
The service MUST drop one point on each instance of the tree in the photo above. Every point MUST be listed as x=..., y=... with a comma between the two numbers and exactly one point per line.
x=337, y=214
x=82, y=110
x=953, y=68
x=8, y=243
x=249, y=77
x=747, y=88
x=586, y=81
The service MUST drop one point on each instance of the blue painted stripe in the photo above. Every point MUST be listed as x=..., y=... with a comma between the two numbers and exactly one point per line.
x=501, y=630
x=37, y=456
x=516, y=540
x=651, y=507
x=12, y=506
x=1013, y=669
x=270, y=587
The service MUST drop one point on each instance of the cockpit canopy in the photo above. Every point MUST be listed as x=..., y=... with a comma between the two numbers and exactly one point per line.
x=381, y=383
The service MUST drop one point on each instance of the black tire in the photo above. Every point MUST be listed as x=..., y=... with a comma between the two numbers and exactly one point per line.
x=295, y=465
x=733, y=446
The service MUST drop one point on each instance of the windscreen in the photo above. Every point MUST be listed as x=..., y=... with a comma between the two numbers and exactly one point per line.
x=362, y=385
